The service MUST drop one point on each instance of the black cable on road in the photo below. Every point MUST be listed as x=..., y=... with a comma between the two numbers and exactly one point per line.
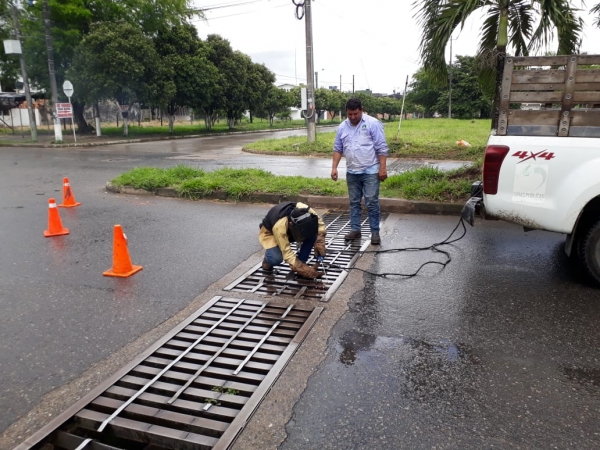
x=434, y=247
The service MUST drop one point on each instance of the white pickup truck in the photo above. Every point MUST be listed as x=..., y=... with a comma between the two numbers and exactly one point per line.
x=542, y=164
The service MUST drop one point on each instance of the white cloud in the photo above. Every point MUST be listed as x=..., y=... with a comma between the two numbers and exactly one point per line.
x=377, y=41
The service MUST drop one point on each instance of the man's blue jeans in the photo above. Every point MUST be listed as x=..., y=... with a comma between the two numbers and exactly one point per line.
x=366, y=185
x=274, y=256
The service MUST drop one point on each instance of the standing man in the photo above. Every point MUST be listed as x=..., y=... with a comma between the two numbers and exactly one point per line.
x=360, y=138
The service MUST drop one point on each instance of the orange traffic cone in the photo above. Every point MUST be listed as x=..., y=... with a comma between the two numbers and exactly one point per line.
x=68, y=197
x=55, y=227
x=122, y=266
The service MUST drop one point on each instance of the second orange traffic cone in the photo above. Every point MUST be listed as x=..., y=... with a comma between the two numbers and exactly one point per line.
x=122, y=266
x=68, y=197
x=55, y=227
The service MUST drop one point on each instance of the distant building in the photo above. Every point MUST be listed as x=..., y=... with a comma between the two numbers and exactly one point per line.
x=295, y=113
x=287, y=87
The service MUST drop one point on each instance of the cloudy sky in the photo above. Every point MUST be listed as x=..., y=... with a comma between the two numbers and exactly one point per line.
x=377, y=41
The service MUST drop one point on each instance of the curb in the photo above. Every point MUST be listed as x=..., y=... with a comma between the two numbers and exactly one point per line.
x=150, y=139
x=388, y=205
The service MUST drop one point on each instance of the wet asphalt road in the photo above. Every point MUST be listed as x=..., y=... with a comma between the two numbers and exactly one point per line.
x=59, y=314
x=499, y=350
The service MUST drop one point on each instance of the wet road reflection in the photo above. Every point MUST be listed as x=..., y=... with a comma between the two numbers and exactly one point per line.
x=499, y=350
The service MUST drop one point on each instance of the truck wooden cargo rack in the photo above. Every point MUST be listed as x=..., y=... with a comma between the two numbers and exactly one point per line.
x=563, y=90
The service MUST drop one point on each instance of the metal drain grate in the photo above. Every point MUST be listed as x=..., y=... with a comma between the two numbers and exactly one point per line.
x=194, y=389
x=284, y=282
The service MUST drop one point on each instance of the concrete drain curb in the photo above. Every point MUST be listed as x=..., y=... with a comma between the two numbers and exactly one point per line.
x=388, y=205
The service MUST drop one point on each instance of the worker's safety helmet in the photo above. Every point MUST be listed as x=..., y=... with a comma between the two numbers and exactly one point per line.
x=302, y=224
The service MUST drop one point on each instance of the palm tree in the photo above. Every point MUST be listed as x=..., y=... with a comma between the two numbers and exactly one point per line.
x=596, y=10
x=527, y=25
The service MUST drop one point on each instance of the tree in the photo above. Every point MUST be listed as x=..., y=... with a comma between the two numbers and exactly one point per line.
x=9, y=64
x=231, y=85
x=116, y=61
x=424, y=92
x=259, y=85
x=596, y=10
x=182, y=53
x=469, y=101
x=369, y=103
x=276, y=102
x=390, y=106
x=335, y=102
x=321, y=101
x=508, y=22
x=71, y=20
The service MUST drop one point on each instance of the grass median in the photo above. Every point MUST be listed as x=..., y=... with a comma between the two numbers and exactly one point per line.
x=418, y=138
x=427, y=183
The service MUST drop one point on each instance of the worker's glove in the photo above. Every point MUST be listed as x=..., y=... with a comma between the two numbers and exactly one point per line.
x=305, y=270
x=320, y=249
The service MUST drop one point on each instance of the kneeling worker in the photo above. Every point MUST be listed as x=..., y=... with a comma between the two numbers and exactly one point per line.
x=292, y=222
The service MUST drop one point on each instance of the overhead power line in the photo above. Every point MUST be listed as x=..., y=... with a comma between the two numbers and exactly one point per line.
x=226, y=5
x=207, y=18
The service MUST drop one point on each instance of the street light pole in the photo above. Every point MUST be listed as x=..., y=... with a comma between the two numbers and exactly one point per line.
x=341, y=92
x=53, y=89
x=32, y=124
x=450, y=91
x=310, y=69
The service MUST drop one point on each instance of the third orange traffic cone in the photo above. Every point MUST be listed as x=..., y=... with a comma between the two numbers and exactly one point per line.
x=55, y=227
x=122, y=266
x=68, y=197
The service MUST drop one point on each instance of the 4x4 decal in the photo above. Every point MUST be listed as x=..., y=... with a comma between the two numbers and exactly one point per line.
x=541, y=154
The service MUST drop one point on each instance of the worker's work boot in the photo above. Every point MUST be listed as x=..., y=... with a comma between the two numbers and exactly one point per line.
x=267, y=267
x=375, y=239
x=354, y=234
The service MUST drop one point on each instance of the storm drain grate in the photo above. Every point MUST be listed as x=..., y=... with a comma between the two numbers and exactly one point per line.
x=283, y=282
x=194, y=389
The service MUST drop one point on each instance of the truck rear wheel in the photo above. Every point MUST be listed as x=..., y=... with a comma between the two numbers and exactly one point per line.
x=589, y=251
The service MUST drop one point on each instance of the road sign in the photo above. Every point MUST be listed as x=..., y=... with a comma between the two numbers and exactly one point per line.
x=64, y=110
x=12, y=47
x=68, y=88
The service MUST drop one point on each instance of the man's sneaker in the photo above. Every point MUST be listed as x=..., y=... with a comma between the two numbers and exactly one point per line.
x=354, y=234
x=267, y=267
x=375, y=239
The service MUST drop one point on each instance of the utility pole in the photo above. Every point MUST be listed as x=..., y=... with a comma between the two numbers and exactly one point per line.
x=32, y=124
x=310, y=69
x=53, y=89
x=352, y=84
x=450, y=92
x=316, y=80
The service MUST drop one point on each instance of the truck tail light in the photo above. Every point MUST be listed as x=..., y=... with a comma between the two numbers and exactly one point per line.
x=494, y=156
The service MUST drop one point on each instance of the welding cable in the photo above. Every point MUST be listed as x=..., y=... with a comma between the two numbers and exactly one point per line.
x=434, y=248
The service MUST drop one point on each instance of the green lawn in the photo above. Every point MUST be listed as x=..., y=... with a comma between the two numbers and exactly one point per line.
x=419, y=138
x=422, y=184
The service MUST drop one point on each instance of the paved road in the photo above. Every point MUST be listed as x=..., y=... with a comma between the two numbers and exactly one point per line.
x=500, y=350
x=59, y=314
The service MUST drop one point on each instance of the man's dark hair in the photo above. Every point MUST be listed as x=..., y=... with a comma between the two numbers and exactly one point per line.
x=353, y=104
